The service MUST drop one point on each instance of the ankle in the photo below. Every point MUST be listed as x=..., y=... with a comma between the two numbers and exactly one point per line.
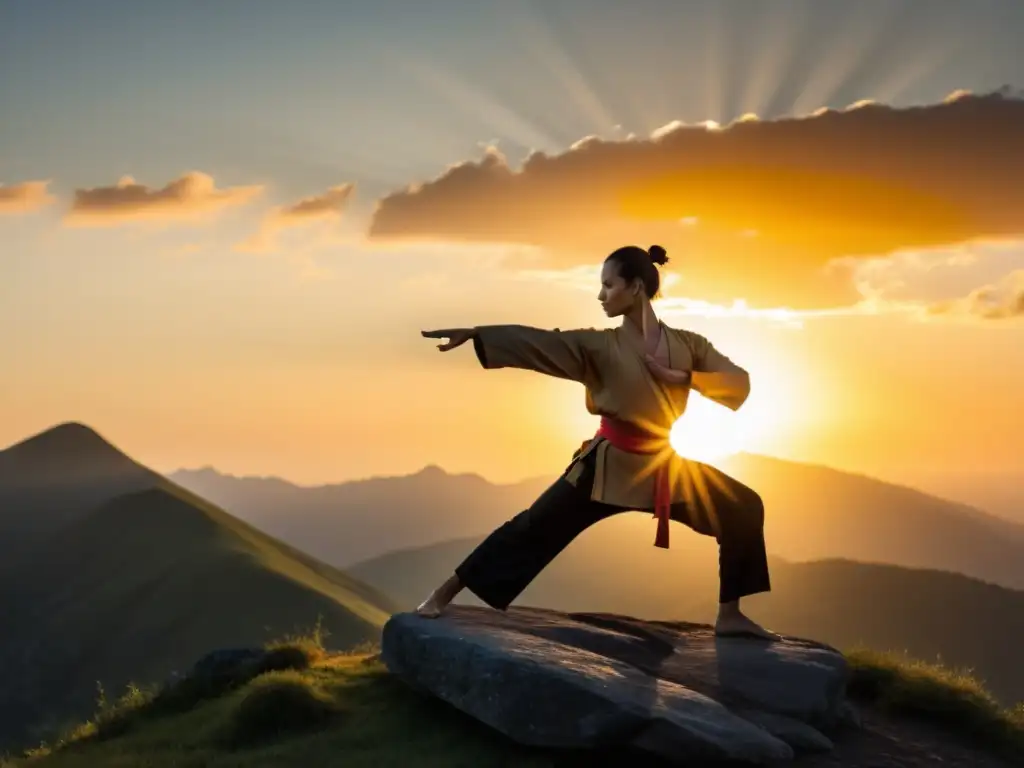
x=445, y=594
x=450, y=588
x=729, y=610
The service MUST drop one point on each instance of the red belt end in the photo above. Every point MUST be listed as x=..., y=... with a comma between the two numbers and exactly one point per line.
x=661, y=539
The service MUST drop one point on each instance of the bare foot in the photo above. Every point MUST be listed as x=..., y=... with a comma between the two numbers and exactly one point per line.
x=432, y=607
x=439, y=599
x=736, y=623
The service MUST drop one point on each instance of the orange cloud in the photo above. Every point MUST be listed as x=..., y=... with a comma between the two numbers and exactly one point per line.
x=1002, y=300
x=26, y=197
x=190, y=196
x=326, y=207
x=756, y=210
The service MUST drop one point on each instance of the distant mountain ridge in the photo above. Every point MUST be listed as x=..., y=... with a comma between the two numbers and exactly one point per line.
x=812, y=512
x=346, y=522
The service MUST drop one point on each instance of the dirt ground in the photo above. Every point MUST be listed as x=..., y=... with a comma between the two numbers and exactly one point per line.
x=888, y=742
x=882, y=742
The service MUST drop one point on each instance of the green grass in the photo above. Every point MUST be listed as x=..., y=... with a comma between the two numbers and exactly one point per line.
x=304, y=706
x=950, y=698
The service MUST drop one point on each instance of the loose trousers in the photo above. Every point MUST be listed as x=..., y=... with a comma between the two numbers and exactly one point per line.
x=512, y=556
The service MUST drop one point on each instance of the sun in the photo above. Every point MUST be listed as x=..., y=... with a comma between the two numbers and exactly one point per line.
x=706, y=431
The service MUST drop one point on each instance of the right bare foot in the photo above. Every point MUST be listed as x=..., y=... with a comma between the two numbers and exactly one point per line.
x=736, y=624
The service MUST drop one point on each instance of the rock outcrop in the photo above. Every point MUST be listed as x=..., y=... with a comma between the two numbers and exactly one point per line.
x=582, y=680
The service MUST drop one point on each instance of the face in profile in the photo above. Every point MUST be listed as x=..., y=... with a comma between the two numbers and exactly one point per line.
x=617, y=296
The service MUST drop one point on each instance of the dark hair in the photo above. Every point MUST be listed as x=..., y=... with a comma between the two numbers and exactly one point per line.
x=634, y=262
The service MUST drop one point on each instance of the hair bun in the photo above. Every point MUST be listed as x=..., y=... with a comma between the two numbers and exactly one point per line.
x=657, y=254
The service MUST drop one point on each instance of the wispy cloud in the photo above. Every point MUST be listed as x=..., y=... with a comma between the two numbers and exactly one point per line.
x=25, y=197
x=325, y=208
x=1002, y=300
x=979, y=281
x=192, y=196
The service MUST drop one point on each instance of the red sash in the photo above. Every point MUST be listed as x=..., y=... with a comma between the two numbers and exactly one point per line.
x=630, y=438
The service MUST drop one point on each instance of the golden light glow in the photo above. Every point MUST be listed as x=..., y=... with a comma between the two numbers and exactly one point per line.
x=707, y=431
x=853, y=212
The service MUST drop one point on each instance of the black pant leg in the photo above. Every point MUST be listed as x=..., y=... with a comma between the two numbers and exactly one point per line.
x=504, y=564
x=721, y=506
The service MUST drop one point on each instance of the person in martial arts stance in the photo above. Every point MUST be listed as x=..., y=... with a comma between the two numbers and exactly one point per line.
x=637, y=378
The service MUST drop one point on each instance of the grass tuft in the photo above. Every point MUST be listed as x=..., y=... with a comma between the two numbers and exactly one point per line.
x=299, y=651
x=951, y=698
x=276, y=705
x=138, y=705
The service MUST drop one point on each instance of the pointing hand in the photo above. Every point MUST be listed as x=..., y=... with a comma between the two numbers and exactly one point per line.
x=456, y=337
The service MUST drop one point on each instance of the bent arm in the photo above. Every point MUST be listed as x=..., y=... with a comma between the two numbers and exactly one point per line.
x=563, y=354
x=716, y=376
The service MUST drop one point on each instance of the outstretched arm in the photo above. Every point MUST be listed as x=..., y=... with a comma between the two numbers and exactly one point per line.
x=563, y=354
x=716, y=376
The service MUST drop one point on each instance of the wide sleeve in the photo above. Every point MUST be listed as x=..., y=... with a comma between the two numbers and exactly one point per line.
x=716, y=376
x=569, y=354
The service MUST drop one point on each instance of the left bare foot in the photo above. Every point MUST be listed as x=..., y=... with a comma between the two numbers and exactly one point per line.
x=430, y=608
x=737, y=624
x=434, y=605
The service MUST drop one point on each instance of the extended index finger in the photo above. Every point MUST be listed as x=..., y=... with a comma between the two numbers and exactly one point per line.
x=443, y=334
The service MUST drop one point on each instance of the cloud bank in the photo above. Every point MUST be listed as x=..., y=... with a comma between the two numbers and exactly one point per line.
x=759, y=210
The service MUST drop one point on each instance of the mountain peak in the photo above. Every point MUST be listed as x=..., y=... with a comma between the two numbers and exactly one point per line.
x=67, y=447
x=68, y=435
x=73, y=430
x=432, y=470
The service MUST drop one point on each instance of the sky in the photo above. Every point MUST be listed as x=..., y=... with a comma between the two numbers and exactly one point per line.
x=223, y=225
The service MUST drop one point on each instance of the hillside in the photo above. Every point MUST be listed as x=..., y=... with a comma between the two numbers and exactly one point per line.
x=999, y=491
x=329, y=709
x=144, y=584
x=812, y=513
x=610, y=569
x=815, y=512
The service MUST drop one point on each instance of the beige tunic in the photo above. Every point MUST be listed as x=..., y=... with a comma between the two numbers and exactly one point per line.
x=610, y=364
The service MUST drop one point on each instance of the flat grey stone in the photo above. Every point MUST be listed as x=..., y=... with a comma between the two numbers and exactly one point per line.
x=551, y=679
x=801, y=736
